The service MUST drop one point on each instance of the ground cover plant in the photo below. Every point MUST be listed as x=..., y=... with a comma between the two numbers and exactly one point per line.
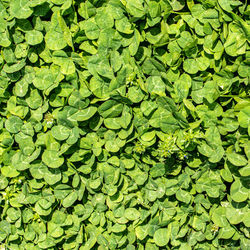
x=124, y=124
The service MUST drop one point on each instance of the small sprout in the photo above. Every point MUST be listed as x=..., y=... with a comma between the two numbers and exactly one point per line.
x=214, y=228
x=139, y=147
x=224, y=204
x=182, y=155
x=49, y=118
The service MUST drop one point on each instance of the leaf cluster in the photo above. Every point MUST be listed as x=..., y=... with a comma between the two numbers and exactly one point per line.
x=124, y=124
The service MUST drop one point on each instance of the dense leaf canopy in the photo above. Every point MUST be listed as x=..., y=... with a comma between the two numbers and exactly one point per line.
x=124, y=124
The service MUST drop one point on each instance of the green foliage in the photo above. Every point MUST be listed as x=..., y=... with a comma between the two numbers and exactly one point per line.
x=124, y=124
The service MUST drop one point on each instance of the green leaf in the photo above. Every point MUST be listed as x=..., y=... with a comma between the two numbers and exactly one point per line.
x=91, y=29
x=181, y=87
x=183, y=196
x=244, y=117
x=226, y=233
x=135, y=8
x=229, y=5
x=117, y=228
x=163, y=119
x=157, y=170
x=46, y=78
x=219, y=217
x=60, y=132
x=14, y=67
x=52, y=159
x=20, y=9
x=67, y=65
x=161, y=237
x=155, y=85
x=9, y=171
x=132, y=214
x=33, y=37
x=141, y=232
x=104, y=19
x=13, y=124
x=191, y=66
x=123, y=25
x=70, y=199
x=3, y=182
x=238, y=192
x=237, y=159
x=83, y=115
x=54, y=38
x=135, y=94
x=234, y=215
